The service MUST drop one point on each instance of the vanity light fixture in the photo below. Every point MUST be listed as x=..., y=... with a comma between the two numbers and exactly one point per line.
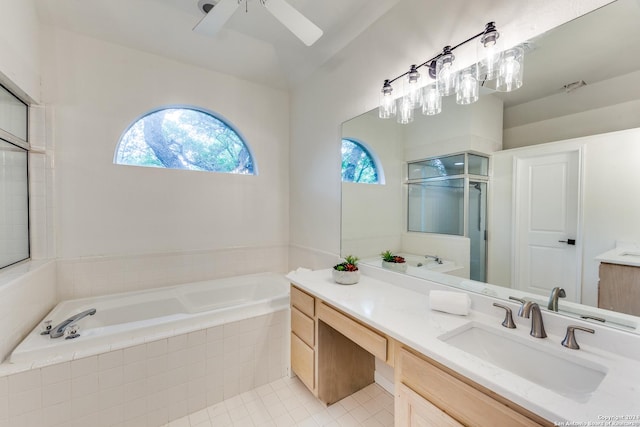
x=387, y=107
x=489, y=50
x=506, y=67
x=413, y=88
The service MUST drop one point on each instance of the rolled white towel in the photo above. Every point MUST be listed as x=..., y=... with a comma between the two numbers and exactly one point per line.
x=450, y=302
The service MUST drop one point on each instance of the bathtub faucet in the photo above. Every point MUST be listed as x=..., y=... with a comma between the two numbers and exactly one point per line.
x=58, y=330
x=436, y=258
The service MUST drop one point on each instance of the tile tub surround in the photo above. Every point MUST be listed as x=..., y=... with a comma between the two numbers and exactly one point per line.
x=150, y=384
x=103, y=275
x=398, y=307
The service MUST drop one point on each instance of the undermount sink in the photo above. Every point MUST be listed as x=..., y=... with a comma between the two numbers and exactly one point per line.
x=560, y=372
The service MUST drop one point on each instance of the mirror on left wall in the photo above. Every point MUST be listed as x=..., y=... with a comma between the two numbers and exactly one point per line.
x=540, y=119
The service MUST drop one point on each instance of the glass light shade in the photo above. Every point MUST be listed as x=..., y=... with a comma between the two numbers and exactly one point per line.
x=405, y=111
x=489, y=54
x=431, y=100
x=445, y=74
x=510, y=70
x=387, y=106
x=412, y=87
x=467, y=86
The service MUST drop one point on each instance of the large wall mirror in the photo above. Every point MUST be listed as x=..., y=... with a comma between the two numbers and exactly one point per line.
x=564, y=170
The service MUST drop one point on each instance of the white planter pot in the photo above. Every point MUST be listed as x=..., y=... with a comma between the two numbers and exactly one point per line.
x=345, y=277
x=400, y=267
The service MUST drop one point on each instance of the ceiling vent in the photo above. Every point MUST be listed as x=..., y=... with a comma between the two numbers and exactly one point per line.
x=570, y=87
x=205, y=6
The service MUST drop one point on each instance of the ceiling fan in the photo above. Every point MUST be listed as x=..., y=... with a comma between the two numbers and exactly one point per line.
x=219, y=12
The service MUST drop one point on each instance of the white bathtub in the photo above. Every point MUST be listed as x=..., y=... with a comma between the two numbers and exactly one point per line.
x=126, y=319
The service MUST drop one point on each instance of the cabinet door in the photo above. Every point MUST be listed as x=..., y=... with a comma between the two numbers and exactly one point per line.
x=464, y=402
x=414, y=411
x=619, y=288
x=302, y=361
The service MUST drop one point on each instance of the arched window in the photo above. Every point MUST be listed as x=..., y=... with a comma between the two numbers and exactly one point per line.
x=359, y=164
x=184, y=138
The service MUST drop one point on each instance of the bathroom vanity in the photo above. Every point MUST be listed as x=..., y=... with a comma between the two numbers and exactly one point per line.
x=337, y=332
x=333, y=355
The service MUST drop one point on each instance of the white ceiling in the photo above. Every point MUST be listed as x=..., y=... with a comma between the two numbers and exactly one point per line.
x=253, y=45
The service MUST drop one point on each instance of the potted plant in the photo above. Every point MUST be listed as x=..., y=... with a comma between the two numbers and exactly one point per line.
x=346, y=273
x=393, y=262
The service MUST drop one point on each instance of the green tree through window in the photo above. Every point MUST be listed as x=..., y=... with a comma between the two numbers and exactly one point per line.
x=358, y=164
x=184, y=138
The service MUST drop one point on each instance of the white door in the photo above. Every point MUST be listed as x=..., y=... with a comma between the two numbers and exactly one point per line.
x=547, y=252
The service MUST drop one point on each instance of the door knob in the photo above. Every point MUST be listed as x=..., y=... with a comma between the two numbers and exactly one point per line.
x=568, y=241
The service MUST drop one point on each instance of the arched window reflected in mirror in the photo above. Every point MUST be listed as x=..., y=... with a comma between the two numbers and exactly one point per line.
x=359, y=163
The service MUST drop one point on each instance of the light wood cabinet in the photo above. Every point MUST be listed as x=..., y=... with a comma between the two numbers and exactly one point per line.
x=302, y=361
x=366, y=338
x=457, y=397
x=412, y=410
x=303, y=338
x=333, y=355
x=619, y=288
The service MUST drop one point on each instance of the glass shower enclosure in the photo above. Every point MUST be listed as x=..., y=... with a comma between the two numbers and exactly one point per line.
x=448, y=195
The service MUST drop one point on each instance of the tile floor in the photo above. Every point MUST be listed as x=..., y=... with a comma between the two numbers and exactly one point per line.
x=287, y=402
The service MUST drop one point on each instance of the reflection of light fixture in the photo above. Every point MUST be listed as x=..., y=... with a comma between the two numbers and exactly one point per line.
x=458, y=164
x=467, y=86
x=431, y=100
x=511, y=68
x=506, y=67
x=405, y=110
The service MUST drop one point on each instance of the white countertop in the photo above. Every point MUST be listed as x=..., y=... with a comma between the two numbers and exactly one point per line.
x=623, y=255
x=404, y=314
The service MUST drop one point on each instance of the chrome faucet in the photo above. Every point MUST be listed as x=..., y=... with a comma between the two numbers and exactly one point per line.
x=436, y=258
x=553, y=298
x=537, y=326
x=58, y=330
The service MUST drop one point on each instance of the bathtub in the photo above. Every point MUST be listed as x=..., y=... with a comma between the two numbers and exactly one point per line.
x=127, y=319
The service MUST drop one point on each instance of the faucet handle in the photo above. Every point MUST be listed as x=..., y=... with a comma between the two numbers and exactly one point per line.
x=520, y=300
x=508, y=318
x=569, y=340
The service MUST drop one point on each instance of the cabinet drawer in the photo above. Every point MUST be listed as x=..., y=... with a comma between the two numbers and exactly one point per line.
x=371, y=341
x=302, y=361
x=303, y=302
x=463, y=402
x=303, y=326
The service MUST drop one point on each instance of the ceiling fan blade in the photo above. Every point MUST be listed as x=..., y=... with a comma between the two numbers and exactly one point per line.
x=215, y=19
x=296, y=22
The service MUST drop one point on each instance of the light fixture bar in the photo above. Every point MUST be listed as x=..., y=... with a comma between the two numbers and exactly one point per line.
x=506, y=67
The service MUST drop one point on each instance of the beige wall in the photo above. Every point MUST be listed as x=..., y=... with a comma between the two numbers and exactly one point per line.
x=19, y=48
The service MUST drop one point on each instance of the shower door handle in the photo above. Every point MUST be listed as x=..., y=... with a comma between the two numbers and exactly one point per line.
x=568, y=241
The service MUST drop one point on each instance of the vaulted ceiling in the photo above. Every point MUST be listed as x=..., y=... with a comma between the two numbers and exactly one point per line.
x=253, y=45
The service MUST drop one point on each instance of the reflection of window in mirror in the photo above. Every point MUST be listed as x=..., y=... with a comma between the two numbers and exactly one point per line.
x=359, y=163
